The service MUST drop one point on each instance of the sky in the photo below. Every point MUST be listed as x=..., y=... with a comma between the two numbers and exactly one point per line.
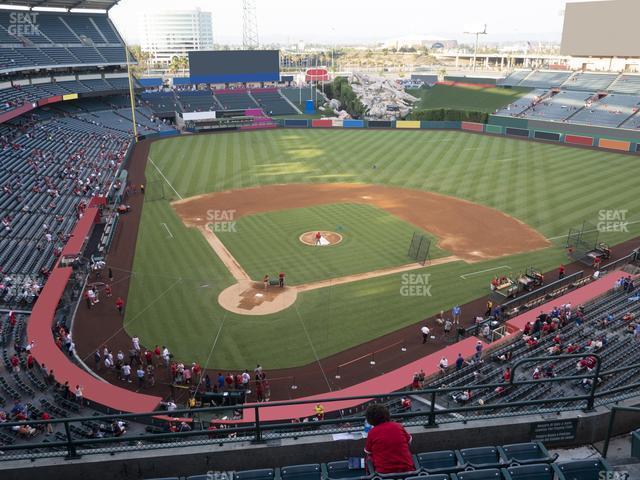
x=351, y=21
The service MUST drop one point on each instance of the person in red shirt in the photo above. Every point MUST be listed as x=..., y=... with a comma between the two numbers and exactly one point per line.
x=49, y=427
x=15, y=363
x=506, y=376
x=560, y=272
x=158, y=353
x=387, y=442
x=120, y=304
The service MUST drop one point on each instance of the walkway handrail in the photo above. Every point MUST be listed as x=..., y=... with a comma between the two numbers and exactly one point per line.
x=612, y=416
x=255, y=428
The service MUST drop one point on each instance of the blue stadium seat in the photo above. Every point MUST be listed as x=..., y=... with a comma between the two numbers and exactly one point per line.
x=341, y=470
x=525, y=453
x=438, y=476
x=487, y=474
x=483, y=457
x=583, y=469
x=445, y=461
x=260, y=474
x=398, y=475
x=311, y=471
x=530, y=472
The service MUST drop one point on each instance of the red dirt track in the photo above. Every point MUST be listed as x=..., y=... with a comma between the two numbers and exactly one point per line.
x=102, y=325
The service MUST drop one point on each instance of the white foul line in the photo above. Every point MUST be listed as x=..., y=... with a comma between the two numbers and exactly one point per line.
x=590, y=231
x=168, y=231
x=165, y=178
x=464, y=277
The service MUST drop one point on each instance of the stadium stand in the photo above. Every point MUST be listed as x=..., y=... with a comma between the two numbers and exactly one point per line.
x=62, y=162
x=272, y=102
x=589, y=81
x=197, y=100
x=32, y=199
x=632, y=123
x=544, y=79
x=69, y=39
x=558, y=107
x=235, y=100
x=163, y=103
x=452, y=465
x=626, y=84
x=523, y=103
x=588, y=335
x=610, y=111
x=19, y=94
x=514, y=78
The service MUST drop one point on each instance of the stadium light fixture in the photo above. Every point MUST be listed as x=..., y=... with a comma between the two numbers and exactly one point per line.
x=475, y=50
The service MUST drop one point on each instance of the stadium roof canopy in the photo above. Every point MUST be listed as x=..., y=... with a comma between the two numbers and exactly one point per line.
x=66, y=4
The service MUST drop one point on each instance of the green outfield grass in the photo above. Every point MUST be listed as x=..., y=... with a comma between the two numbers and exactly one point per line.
x=479, y=99
x=372, y=239
x=176, y=279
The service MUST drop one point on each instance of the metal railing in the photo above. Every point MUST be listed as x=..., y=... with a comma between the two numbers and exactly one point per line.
x=520, y=300
x=258, y=430
x=612, y=417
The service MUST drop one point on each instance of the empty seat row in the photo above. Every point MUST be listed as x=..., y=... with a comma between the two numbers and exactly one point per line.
x=595, y=469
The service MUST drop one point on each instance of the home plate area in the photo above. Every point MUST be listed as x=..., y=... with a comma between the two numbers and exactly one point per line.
x=321, y=238
x=252, y=298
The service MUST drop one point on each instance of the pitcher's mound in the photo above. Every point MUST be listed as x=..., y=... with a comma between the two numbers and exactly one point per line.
x=251, y=298
x=325, y=239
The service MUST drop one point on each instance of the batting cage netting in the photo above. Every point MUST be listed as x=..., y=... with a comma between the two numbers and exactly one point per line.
x=419, y=248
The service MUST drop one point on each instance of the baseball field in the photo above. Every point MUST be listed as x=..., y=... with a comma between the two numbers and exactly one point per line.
x=229, y=208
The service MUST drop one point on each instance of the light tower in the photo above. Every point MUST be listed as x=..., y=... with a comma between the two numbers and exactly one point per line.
x=249, y=25
x=475, y=50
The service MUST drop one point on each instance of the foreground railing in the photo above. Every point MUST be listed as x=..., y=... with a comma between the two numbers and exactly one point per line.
x=66, y=445
x=612, y=417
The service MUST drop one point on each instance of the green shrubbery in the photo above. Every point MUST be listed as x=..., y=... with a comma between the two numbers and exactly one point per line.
x=342, y=91
x=443, y=114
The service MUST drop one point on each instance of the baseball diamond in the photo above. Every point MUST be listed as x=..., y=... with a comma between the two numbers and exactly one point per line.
x=308, y=253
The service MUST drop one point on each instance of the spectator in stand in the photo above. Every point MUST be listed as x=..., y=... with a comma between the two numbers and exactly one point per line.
x=48, y=427
x=405, y=404
x=15, y=363
x=478, y=354
x=126, y=373
x=443, y=365
x=79, y=395
x=459, y=362
x=140, y=374
x=387, y=442
x=120, y=305
x=425, y=334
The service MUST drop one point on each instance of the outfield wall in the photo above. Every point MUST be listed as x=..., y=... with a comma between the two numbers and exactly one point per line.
x=581, y=135
x=584, y=135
